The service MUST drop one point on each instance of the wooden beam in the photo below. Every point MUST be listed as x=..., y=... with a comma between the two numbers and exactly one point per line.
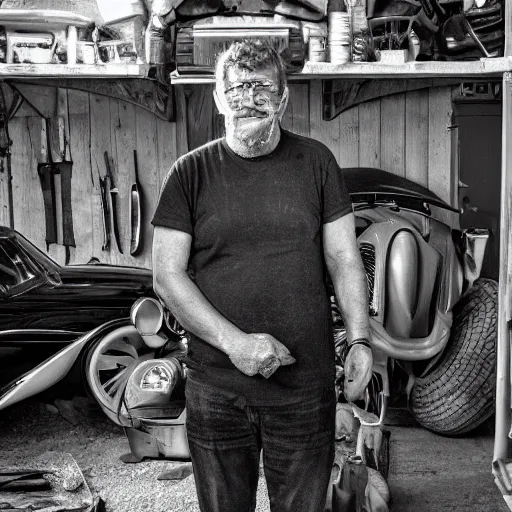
x=494, y=66
x=441, y=176
x=296, y=116
x=85, y=187
x=326, y=132
x=369, y=134
x=149, y=94
x=341, y=95
x=348, y=146
x=416, y=136
x=503, y=384
x=181, y=121
x=167, y=153
x=430, y=69
x=74, y=70
x=392, y=134
x=199, y=115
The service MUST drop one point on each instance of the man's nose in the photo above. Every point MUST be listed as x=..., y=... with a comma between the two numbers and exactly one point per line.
x=248, y=96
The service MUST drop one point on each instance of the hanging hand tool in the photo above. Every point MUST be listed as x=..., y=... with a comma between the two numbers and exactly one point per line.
x=105, y=214
x=113, y=193
x=68, y=235
x=45, y=172
x=50, y=170
x=135, y=211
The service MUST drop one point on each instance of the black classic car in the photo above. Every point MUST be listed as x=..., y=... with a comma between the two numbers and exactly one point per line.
x=45, y=307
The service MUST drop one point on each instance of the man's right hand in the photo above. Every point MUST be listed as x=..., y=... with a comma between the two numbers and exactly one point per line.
x=260, y=353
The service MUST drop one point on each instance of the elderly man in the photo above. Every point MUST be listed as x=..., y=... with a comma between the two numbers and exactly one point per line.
x=244, y=231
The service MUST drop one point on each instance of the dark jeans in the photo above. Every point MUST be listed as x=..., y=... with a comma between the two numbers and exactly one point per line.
x=226, y=436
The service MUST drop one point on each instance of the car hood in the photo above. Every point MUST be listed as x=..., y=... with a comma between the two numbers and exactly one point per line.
x=112, y=275
x=363, y=181
x=91, y=269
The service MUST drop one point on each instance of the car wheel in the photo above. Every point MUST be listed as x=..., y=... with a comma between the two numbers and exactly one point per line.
x=109, y=363
x=459, y=393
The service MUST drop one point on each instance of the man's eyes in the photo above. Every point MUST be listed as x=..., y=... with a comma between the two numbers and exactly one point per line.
x=266, y=88
x=257, y=88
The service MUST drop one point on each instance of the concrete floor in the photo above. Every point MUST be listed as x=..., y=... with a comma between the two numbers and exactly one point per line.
x=428, y=473
x=431, y=473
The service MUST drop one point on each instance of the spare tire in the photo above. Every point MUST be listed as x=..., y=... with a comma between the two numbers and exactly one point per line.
x=458, y=394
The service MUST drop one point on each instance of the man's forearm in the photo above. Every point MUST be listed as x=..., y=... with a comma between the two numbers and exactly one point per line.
x=351, y=290
x=193, y=311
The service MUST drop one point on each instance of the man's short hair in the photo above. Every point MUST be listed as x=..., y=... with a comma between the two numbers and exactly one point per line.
x=251, y=54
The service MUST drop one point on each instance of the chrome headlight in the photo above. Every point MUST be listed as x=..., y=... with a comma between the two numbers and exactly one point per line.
x=147, y=315
x=152, y=383
x=156, y=378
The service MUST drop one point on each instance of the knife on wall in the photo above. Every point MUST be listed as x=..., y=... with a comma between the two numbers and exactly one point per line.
x=135, y=211
x=113, y=193
x=105, y=214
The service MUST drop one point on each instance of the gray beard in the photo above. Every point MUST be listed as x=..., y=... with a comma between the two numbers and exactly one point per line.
x=251, y=143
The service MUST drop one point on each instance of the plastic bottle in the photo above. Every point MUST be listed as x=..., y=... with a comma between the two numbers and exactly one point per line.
x=361, y=37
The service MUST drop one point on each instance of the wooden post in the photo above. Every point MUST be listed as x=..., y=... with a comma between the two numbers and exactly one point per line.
x=181, y=121
x=503, y=384
x=508, y=29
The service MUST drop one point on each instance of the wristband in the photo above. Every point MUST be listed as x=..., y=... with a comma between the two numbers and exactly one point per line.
x=360, y=341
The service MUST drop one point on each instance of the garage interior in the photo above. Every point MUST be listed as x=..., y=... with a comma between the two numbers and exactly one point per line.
x=438, y=125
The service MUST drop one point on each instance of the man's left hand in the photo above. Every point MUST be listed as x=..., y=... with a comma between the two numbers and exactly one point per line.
x=358, y=371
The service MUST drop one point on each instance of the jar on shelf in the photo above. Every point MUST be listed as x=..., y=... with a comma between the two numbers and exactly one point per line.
x=317, y=43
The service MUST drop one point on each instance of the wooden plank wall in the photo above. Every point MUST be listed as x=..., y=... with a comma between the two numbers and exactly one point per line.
x=95, y=124
x=407, y=134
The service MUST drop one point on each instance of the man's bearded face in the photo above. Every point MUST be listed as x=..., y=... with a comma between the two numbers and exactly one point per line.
x=253, y=100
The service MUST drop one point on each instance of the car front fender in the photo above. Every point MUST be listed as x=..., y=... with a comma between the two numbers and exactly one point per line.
x=54, y=369
x=413, y=349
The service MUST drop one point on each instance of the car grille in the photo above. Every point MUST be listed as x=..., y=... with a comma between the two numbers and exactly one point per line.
x=368, y=255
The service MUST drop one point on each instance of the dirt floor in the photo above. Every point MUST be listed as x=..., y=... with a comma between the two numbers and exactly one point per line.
x=428, y=473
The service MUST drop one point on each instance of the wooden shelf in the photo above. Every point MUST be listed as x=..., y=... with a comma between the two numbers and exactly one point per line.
x=483, y=67
x=311, y=70
x=73, y=71
x=314, y=70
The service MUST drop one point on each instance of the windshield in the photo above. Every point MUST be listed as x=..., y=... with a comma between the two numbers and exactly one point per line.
x=13, y=270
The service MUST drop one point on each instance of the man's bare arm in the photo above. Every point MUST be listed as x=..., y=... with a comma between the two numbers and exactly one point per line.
x=349, y=278
x=348, y=275
x=171, y=251
x=249, y=352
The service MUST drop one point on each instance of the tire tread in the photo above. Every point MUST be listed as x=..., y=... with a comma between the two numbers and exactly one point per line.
x=459, y=393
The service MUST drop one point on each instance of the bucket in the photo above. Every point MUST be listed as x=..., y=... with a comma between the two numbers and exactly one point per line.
x=157, y=438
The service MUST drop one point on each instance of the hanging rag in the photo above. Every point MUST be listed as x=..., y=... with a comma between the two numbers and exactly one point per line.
x=47, y=171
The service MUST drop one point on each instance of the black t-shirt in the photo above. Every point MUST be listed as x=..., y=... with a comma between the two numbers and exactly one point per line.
x=256, y=255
